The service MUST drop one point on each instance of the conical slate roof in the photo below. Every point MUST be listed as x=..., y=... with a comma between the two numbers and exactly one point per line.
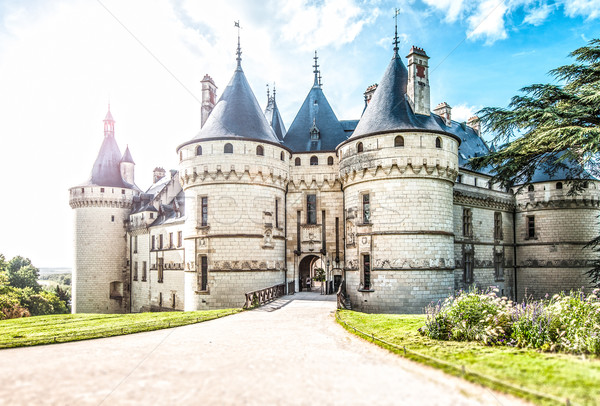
x=237, y=114
x=389, y=109
x=106, y=171
x=127, y=156
x=274, y=118
x=315, y=110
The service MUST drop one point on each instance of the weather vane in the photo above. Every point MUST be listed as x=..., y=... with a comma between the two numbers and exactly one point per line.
x=396, y=32
x=239, y=49
x=316, y=71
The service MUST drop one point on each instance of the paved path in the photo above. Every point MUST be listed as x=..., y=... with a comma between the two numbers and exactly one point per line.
x=288, y=353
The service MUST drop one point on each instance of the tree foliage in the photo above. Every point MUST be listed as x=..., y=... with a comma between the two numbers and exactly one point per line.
x=549, y=125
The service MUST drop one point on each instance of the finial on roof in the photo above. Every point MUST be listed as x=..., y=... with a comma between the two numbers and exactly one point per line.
x=239, y=49
x=274, y=90
x=396, y=34
x=109, y=124
x=268, y=93
x=316, y=71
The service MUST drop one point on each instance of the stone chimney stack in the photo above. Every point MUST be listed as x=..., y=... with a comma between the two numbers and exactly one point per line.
x=417, y=88
x=209, y=98
x=369, y=95
x=444, y=111
x=158, y=174
x=474, y=123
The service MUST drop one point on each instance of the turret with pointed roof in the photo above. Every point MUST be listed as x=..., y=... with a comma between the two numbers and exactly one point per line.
x=315, y=113
x=273, y=116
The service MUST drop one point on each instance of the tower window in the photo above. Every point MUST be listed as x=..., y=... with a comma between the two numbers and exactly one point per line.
x=82, y=190
x=468, y=269
x=359, y=147
x=144, y=266
x=530, y=226
x=199, y=150
x=101, y=190
x=530, y=188
x=366, y=209
x=282, y=156
x=438, y=142
x=399, y=141
x=203, y=273
x=161, y=271
x=179, y=238
x=499, y=266
x=276, y=213
x=297, y=162
x=459, y=179
x=204, y=208
x=330, y=161
x=228, y=149
x=366, y=268
x=170, y=240
x=135, y=244
x=260, y=150
x=173, y=300
x=314, y=160
x=559, y=185
x=311, y=209
x=467, y=223
x=498, y=225
x=181, y=155
x=160, y=241
x=122, y=191
x=135, y=271
x=153, y=242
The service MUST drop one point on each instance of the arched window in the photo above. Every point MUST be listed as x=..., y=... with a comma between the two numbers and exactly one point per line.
x=260, y=150
x=530, y=188
x=559, y=185
x=586, y=184
x=282, y=156
x=399, y=141
x=330, y=161
x=314, y=160
x=199, y=150
x=359, y=147
x=438, y=142
x=228, y=148
x=297, y=162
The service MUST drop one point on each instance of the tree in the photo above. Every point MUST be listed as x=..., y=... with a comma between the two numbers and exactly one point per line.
x=22, y=274
x=556, y=125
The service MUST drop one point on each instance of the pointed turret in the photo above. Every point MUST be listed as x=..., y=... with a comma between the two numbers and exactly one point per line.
x=127, y=167
x=237, y=114
x=273, y=116
x=315, y=113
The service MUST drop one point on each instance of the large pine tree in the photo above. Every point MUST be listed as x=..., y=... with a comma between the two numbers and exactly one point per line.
x=551, y=126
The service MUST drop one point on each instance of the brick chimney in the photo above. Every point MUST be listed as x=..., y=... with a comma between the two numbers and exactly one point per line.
x=158, y=174
x=474, y=123
x=369, y=95
x=209, y=98
x=417, y=88
x=444, y=111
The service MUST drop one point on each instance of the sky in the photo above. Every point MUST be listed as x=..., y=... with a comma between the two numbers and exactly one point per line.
x=63, y=62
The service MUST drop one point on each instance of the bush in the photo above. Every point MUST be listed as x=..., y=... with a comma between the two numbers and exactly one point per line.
x=10, y=307
x=568, y=323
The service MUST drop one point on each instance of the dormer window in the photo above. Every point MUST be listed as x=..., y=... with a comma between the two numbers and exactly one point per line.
x=314, y=160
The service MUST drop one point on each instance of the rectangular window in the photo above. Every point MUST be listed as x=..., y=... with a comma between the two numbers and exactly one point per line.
x=311, y=209
x=366, y=209
x=135, y=244
x=159, y=299
x=135, y=271
x=530, y=226
x=276, y=213
x=179, y=238
x=160, y=241
x=144, y=266
x=173, y=300
x=366, y=272
x=203, y=273
x=498, y=225
x=204, y=206
x=170, y=240
x=467, y=223
x=468, y=270
x=498, y=266
x=153, y=242
x=161, y=272
x=459, y=179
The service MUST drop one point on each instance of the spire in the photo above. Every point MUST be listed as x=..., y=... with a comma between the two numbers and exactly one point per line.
x=316, y=72
x=239, y=48
x=127, y=156
x=396, y=34
x=268, y=94
x=274, y=91
x=109, y=124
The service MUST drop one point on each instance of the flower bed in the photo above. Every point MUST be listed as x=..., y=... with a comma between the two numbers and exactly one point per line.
x=565, y=322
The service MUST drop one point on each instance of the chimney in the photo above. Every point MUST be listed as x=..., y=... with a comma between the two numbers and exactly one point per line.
x=417, y=88
x=474, y=123
x=443, y=110
x=158, y=174
x=209, y=98
x=369, y=95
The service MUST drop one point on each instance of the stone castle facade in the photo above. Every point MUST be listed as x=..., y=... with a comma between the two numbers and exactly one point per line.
x=386, y=203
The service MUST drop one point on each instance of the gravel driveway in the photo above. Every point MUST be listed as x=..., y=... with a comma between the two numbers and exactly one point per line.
x=288, y=353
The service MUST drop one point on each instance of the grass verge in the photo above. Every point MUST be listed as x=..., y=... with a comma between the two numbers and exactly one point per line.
x=61, y=328
x=543, y=378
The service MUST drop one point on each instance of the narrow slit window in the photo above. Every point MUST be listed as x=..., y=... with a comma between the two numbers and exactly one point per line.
x=311, y=209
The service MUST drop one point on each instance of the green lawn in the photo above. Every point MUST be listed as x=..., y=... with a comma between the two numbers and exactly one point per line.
x=522, y=372
x=60, y=328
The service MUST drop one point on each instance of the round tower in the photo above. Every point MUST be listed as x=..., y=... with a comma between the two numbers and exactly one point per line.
x=234, y=173
x=398, y=171
x=553, y=227
x=100, y=207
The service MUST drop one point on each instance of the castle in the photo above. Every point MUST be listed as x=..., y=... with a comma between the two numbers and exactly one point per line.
x=386, y=203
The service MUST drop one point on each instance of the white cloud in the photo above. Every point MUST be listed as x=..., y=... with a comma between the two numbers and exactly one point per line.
x=537, y=15
x=462, y=112
x=582, y=8
x=451, y=8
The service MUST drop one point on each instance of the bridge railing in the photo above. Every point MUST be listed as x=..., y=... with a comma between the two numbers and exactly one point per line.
x=262, y=296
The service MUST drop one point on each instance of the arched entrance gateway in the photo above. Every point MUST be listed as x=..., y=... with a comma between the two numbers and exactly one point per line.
x=306, y=269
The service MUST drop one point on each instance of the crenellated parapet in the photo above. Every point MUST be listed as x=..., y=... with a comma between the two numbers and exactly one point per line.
x=484, y=198
x=557, y=195
x=97, y=196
